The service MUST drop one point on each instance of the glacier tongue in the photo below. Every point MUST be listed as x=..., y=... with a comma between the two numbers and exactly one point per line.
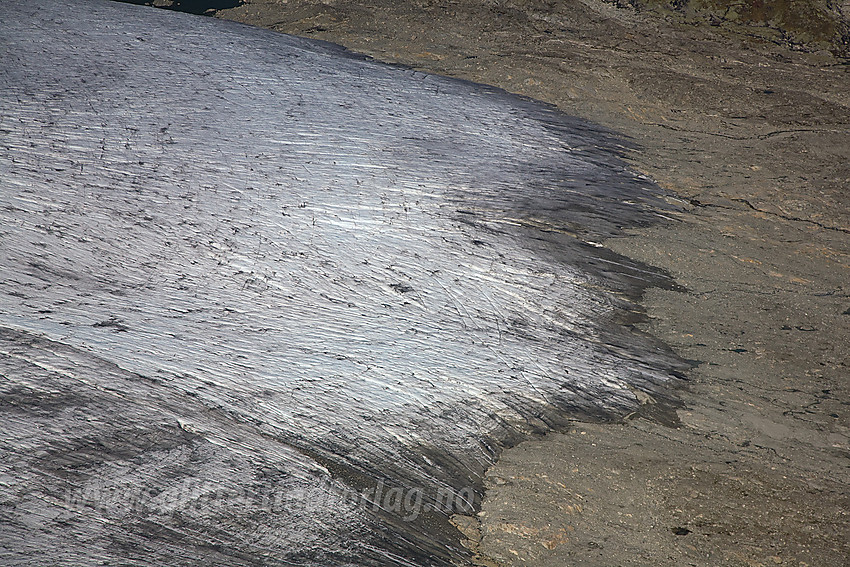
x=252, y=284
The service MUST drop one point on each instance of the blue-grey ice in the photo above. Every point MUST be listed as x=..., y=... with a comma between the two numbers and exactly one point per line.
x=252, y=284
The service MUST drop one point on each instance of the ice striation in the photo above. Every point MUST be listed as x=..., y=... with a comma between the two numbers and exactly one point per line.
x=265, y=302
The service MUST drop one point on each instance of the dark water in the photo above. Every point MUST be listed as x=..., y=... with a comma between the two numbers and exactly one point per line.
x=266, y=302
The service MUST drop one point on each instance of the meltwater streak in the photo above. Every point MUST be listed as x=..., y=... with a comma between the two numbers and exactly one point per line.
x=245, y=276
